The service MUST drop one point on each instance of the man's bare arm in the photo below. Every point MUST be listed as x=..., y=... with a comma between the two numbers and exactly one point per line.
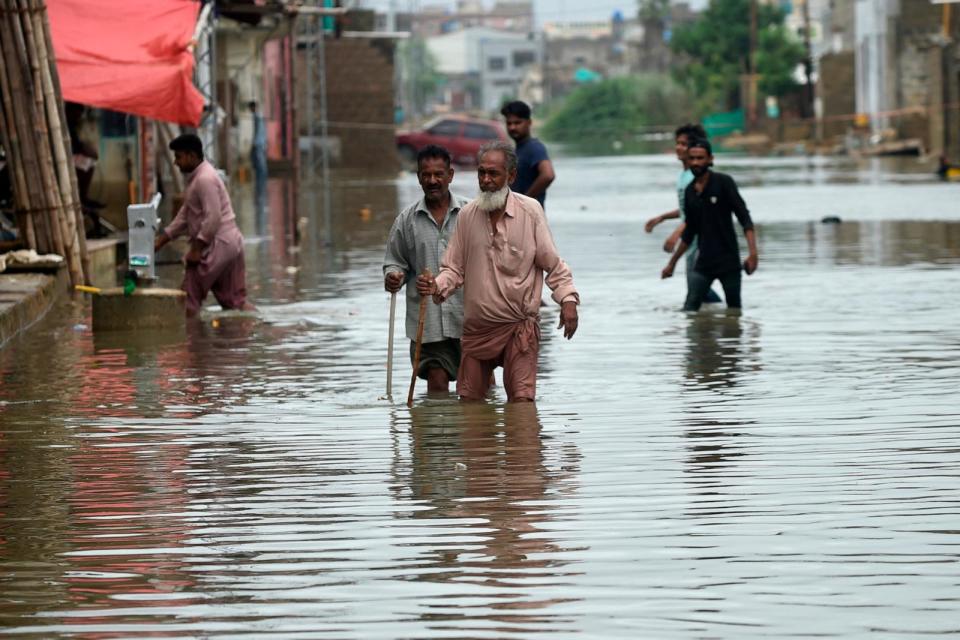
x=545, y=178
x=750, y=264
x=663, y=217
x=672, y=264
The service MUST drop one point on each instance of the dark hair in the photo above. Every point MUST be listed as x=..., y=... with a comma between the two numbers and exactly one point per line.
x=692, y=130
x=188, y=142
x=509, y=153
x=516, y=108
x=252, y=105
x=701, y=143
x=433, y=151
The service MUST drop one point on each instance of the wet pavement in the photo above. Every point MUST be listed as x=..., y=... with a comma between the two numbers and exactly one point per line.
x=788, y=472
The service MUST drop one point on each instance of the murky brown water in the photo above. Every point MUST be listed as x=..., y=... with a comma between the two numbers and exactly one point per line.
x=791, y=472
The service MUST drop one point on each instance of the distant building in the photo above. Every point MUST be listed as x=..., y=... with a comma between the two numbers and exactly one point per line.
x=575, y=51
x=835, y=61
x=648, y=47
x=437, y=19
x=484, y=66
x=906, y=70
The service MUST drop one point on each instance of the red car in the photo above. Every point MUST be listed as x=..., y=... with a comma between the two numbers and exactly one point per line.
x=462, y=136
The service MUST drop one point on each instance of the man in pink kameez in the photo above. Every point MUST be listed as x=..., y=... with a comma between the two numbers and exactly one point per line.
x=215, y=259
x=499, y=253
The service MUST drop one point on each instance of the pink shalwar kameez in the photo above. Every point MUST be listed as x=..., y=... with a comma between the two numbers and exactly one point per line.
x=207, y=216
x=502, y=275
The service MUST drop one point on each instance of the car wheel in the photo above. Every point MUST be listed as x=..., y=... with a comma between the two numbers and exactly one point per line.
x=408, y=157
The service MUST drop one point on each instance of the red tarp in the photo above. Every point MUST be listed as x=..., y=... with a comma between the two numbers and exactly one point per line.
x=128, y=55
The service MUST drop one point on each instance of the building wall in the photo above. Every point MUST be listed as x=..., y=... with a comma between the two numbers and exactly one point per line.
x=906, y=70
x=835, y=89
x=360, y=104
x=490, y=63
x=498, y=83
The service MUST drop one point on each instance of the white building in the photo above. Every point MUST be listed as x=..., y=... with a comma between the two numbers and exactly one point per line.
x=484, y=66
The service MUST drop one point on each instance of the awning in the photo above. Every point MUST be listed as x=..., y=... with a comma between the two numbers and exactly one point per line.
x=128, y=55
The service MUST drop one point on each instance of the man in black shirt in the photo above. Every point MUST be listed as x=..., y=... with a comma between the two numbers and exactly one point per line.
x=709, y=201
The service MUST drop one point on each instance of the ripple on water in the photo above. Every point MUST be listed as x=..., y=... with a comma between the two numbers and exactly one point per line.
x=785, y=472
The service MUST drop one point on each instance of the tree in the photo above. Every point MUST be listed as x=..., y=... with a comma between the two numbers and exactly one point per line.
x=718, y=45
x=655, y=11
x=617, y=109
x=420, y=72
x=778, y=55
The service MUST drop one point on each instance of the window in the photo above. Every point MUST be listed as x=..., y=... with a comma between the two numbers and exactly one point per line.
x=496, y=64
x=479, y=132
x=445, y=128
x=523, y=58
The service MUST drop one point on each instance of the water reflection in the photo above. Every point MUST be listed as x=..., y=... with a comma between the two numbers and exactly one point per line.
x=886, y=243
x=490, y=478
x=728, y=474
x=721, y=347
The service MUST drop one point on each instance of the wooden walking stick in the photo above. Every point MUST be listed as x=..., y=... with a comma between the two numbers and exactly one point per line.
x=393, y=309
x=416, y=350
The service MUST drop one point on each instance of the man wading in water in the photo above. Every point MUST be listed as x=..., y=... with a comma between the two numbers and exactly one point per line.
x=418, y=238
x=499, y=253
x=708, y=202
x=215, y=259
x=682, y=138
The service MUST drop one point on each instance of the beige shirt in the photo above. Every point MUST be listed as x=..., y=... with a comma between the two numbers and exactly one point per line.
x=502, y=273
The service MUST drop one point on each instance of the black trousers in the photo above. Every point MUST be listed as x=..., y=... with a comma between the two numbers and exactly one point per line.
x=698, y=284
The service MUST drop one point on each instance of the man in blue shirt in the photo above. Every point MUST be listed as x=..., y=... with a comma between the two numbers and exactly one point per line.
x=683, y=136
x=534, y=169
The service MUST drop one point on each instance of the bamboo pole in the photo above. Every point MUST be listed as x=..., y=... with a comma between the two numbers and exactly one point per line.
x=10, y=138
x=73, y=210
x=49, y=200
x=29, y=200
x=64, y=240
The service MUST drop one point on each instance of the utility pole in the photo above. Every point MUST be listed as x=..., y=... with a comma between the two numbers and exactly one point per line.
x=752, y=78
x=807, y=62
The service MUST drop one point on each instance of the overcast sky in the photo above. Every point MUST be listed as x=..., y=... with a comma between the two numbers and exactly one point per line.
x=546, y=10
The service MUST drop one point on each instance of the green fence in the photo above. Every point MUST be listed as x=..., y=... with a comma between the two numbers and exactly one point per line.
x=723, y=124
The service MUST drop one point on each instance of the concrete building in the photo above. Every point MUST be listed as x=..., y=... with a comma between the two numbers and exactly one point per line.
x=908, y=72
x=484, y=66
x=437, y=19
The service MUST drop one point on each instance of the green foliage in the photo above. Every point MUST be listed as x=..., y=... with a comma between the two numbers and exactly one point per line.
x=422, y=78
x=718, y=47
x=617, y=109
x=653, y=10
x=778, y=55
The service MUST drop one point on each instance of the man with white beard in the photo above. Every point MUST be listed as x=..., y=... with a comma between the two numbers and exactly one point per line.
x=499, y=253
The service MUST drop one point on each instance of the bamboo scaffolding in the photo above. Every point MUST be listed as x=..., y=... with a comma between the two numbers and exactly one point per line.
x=32, y=117
x=41, y=138
x=41, y=201
x=60, y=144
x=61, y=116
x=24, y=165
x=11, y=143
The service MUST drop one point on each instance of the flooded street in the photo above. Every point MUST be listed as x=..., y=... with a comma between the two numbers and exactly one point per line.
x=788, y=472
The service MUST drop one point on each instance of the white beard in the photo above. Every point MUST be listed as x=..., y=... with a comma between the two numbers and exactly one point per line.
x=489, y=201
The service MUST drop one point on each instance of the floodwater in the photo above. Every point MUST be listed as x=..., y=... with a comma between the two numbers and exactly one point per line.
x=793, y=471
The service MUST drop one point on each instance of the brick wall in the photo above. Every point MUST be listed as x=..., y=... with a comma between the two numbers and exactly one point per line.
x=360, y=104
x=837, y=89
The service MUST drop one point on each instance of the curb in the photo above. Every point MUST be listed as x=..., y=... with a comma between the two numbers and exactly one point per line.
x=25, y=298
